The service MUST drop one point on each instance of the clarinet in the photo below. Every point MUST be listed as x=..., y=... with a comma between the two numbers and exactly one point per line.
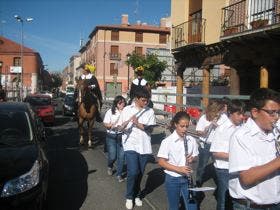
x=276, y=132
x=189, y=176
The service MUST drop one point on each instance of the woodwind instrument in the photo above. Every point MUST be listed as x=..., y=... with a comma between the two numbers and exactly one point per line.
x=276, y=132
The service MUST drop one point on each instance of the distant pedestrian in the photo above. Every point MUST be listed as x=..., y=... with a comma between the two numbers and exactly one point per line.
x=2, y=94
x=114, y=137
x=175, y=155
x=136, y=121
x=139, y=83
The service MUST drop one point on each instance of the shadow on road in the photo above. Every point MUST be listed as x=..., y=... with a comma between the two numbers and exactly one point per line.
x=154, y=180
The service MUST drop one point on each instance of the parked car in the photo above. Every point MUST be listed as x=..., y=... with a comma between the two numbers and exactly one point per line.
x=23, y=158
x=68, y=107
x=42, y=106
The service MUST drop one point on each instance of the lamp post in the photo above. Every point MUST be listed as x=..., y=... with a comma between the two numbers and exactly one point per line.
x=128, y=57
x=1, y=65
x=21, y=20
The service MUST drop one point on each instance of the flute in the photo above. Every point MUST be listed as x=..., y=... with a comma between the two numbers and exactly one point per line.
x=277, y=139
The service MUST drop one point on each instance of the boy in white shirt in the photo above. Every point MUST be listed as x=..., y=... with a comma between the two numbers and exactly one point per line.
x=136, y=119
x=254, y=165
x=220, y=149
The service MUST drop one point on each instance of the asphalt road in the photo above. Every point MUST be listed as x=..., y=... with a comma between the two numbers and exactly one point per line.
x=78, y=175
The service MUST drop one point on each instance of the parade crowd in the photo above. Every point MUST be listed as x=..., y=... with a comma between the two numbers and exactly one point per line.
x=245, y=152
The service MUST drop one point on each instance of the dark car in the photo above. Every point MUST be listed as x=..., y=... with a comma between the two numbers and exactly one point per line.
x=24, y=166
x=42, y=105
x=68, y=107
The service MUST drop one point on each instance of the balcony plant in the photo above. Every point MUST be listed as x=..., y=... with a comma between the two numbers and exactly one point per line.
x=259, y=23
x=230, y=30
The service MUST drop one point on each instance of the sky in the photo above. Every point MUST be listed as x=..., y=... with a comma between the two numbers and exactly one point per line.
x=58, y=25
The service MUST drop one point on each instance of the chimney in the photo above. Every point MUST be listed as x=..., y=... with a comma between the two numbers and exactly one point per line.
x=163, y=22
x=124, y=19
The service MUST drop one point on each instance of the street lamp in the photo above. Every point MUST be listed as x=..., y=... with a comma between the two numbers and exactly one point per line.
x=21, y=20
x=128, y=57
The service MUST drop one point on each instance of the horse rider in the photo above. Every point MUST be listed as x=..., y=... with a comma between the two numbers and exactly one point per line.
x=87, y=75
x=138, y=83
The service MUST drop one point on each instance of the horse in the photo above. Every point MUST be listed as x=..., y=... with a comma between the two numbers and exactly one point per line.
x=87, y=109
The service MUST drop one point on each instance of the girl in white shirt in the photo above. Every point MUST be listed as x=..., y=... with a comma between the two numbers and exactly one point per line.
x=175, y=157
x=113, y=137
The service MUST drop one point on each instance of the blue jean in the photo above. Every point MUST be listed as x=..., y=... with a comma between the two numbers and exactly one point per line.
x=204, y=155
x=238, y=206
x=222, y=189
x=175, y=188
x=115, y=152
x=136, y=164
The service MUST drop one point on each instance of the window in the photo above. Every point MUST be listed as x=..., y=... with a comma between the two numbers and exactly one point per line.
x=162, y=38
x=138, y=37
x=115, y=35
x=114, y=54
x=139, y=50
x=113, y=69
x=17, y=61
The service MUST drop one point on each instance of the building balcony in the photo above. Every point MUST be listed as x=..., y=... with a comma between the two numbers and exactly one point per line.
x=249, y=16
x=115, y=56
x=188, y=33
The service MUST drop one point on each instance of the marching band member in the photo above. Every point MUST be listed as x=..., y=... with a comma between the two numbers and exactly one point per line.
x=220, y=149
x=254, y=166
x=113, y=137
x=172, y=157
x=214, y=116
x=136, y=120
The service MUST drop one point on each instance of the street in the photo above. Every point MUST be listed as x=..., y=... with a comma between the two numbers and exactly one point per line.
x=78, y=175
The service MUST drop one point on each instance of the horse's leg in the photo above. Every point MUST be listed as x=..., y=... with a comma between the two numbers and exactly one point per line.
x=90, y=126
x=81, y=130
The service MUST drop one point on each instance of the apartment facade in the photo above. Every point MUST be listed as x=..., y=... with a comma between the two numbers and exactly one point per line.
x=108, y=48
x=10, y=66
x=241, y=35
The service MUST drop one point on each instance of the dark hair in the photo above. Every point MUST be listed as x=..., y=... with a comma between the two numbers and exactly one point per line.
x=177, y=117
x=260, y=96
x=226, y=100
x=115, y=103
x=142, y=93
x=236, y=105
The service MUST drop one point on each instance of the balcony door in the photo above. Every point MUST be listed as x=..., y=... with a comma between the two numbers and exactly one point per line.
x=194, y=32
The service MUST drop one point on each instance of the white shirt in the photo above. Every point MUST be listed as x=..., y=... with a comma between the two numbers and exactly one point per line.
x=87, y=76
x=112, y=118
x=138, y=140
x=203, y=123
x=220, y=142
x=142, y=83
x=250, y=147
x=172, y=148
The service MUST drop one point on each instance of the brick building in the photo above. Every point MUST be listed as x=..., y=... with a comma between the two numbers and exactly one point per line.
x=10, y=63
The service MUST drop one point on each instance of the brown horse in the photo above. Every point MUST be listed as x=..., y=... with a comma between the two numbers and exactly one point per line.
x=86, y=110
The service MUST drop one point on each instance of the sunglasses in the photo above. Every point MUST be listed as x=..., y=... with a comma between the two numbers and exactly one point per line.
x=272, y=113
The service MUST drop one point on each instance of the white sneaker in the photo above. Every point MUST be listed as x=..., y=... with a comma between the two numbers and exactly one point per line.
x=138, y=202
x=110, y=171
x=129, y=204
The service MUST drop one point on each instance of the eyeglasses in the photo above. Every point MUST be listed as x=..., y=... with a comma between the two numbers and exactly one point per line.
x=272, y=113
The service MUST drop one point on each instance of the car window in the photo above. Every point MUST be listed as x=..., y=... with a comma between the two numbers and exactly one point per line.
x=38, y=101
x=15, y=126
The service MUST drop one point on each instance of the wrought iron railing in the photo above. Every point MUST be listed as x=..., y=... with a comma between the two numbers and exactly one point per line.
x=189, y=32
x=249, y=15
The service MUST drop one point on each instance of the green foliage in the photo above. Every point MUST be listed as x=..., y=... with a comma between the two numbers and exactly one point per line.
x=153, y=67
x=56, y=80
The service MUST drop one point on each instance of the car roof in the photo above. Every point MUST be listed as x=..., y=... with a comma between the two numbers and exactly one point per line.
x=39, y=96
x=11, y=106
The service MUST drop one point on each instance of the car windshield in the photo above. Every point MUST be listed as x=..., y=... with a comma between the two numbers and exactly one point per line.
x=38, y=101
x=69, y=100
x=15, y=127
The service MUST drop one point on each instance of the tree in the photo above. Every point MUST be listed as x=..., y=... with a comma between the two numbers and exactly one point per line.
x=153, y=67
x=56, y=80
